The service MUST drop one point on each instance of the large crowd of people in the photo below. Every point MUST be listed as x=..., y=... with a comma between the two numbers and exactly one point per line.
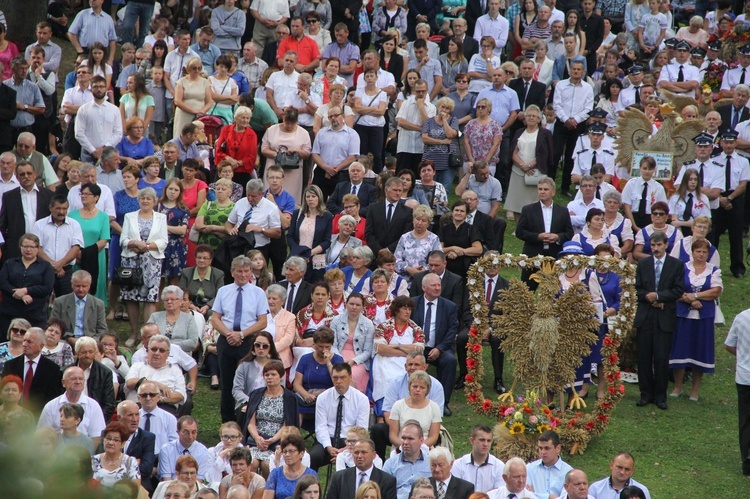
x=286, y=198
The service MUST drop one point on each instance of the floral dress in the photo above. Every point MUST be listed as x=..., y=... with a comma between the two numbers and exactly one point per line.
x=5, y=354
x=128, y=469
x=150, y=266
x=269, y=418
x=175, y=255
x=412, y=251
x=213, y=215
x=480, y=139
x=62, y=354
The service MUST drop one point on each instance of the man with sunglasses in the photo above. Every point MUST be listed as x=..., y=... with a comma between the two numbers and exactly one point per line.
x=157, y=369
x=177, y=355
x=155, y=419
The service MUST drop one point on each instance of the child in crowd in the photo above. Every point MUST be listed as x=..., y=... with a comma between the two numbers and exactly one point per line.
x=158, y=91
x=651, y=30
x=345, y=459
x=549, y=117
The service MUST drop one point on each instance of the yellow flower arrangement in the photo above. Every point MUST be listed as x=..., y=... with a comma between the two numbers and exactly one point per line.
x=516, y=428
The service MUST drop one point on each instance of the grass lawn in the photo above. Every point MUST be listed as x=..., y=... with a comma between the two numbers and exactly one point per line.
x=689, y=451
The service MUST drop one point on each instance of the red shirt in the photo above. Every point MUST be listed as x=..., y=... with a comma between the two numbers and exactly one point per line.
x=306, y=49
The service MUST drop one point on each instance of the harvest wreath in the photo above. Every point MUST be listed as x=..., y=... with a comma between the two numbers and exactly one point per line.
x=571, y=314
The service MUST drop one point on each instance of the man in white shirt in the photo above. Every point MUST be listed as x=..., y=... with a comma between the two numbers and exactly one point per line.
x=60, y=243
x=155, y=419
x=585, y=158
x=106, y=201
x=680, y=77
x=262, y=216
x=414, y=112
x=334, y=150
x=479, y=466
x=282, y=85
x=555, y=13
x=494, y=25
x=578, y=208
x=177, y=355
x=738, y=344
x=640, y=193
x=174, y=64
x=632, y=93
x=305, y=102
x=167, y=377
x=514, y=475
x=8, y=180
x=622, y=467
x=93, y=419
x=385, y=82
x=336, y=410
x=98, y=123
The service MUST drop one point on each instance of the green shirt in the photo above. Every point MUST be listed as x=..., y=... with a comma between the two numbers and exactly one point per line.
x=262, y=114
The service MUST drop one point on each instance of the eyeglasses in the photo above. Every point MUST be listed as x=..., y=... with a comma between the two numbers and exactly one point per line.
x=148, y=395
x=658, y=213
x=24, y=174
x=262, y=346
x=350, y=442
x=110, y=439
x=157, y=349
x=230, y=437
x=16, y=329
x=311, y=21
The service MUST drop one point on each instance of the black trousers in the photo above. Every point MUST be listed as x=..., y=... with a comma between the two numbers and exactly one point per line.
x=565, y=141
x=731, y=221
x=277, y=255
x=498, y=358
x=653, y=359
x=446, y=371
x=408, y=160
x=502, y=170
x=328, y=185
x=372, y=141
x=62, y=283
x=379, y=435
x=319, y=455
x=743, y=409
x=229, y=357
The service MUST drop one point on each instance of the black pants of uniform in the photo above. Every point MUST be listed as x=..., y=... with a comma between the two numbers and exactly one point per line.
x=743, y=409
x=498, y=358
x=229, y=357
x=319, y=456
x=653, y=359
x=731, y=221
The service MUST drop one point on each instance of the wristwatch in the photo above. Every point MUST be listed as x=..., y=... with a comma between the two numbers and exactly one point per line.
x=25, y=107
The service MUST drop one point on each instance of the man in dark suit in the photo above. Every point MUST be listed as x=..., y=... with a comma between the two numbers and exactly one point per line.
x=452, y=285
x=344, y=483
x=298, y=294
x=388, y=220
x=171, y=165
x=445, y=484
x=140, y=444
x=366, y=193
x=99, y=384
x=493, y=284
x=439, y=320
x=15, y=220
x=474, y=10
x=46, y=382
x=471, y=46
x=492, y=229
x=543, y=226
x=659, y=284
x=736, y=112
x=529, y=92
x=65, y=308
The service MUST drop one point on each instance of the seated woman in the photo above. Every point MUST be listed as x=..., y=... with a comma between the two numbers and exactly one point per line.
x=269, y=409
x=134, y=147
x=202, y=281
x=109, y=348
x=413, y=247
x=397, y=285
x=187, y=482
x=342, y=238
x=394, y=339
x=248, y=375
x=14, y=346
x=282, y=481
x=277, y=459
x=314, y=316
x=337, y=297
x=55, y=348
x=175, y=324
x=354, y=335
x=414, y=197
x=462, y=242
x=417, y=407
x=616, y=224
x=113, y=464
x=313, y=372
x=659, y=217
x=357, y=272
x=351, y=205
x=378, y=302
x=231, y=438
x=71, y=416
x=281, y=324
x=240, y=459
x=593, y=233
x=11, y=389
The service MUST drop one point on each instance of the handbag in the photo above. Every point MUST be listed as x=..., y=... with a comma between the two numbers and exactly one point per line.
x=287, y=160
x=128, y=277
x=194, y=234
x=456, y=160
x=533, y=179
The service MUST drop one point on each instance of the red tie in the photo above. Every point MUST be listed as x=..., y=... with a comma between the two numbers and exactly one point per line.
x=27, y=380
x=488, y=298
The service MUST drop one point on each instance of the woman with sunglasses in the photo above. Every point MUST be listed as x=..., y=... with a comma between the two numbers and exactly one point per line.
x=14, y=346
x=659, y=219
x=192, y=95
x=248, y=375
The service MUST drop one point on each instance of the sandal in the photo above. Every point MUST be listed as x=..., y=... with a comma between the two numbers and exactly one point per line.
x=118, y=315
x=124, y=316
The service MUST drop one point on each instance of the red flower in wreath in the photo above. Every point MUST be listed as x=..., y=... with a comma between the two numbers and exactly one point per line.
x=590, y=425
x=476, y=348
x=473, y=332
x=487, y=405
x=472, y=397
x=469, y=378
x=622, y=388
x=471, y=363
x=613, y=358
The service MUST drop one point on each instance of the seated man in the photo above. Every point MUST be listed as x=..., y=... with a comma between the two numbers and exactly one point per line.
x=410, y=466
x=177, y=355
x=155, y=419
x=140, y=443
x=366, y=193
x=479, y=466
x=83, y=313
x=186, y=444
x=100, y=380
x=622, y=467
x=157, y=369
x=444, y=483
x=514, y=475
x=187, y=143
x=547, y=474
x=92, y=423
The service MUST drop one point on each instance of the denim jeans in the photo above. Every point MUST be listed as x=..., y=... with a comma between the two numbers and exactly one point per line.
x=445, y=177
x=137, y=11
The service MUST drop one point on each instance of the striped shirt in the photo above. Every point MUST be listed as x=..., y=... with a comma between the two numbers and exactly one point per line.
x=534, y=31
x=90, y=27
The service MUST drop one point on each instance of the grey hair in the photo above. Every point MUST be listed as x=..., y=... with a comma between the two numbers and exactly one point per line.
x=18, y=321
x=587, y=178
x=513, y=461
x=422, y=25
x=38, y=332
x=278, y=290
x=438, y=452
x=176, y=483
x=254, y=185
x=243, y=110
x=347, y=219
x=420, y=483
x=27, y=135
x=109, y=152
x=241, y=261
x=297, y=262
x=81, y=275
x=160, y=338
x=546, y=180
x=148, y=192
x=742, y=88
x=363, y=252
x=85, y=341
x=86, y=167
x=305, y=78
x=356, y=163
x=612, y=195
x=172, y=290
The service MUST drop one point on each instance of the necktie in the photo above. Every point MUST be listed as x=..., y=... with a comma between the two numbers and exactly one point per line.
x=657, y=272
x=362, y=478
x=354, y=189
x=390, y=213
x=512, y=496
x=147, y=426
x=236, y=325
x=27, y=380
x=428, y=322
x=688, y=213
x=488, y=297
x=728, y=174
x=598, y=192
x=339, y=421
x=638, y=95
x=742, y=78
x=186, y=452
x=700, y=175
x=290, y=298
x=593, y=158
x=525, y=93
x=735, y=117
x=680, y=75
x=644, y=196
x=248, y=214
x=441, y=490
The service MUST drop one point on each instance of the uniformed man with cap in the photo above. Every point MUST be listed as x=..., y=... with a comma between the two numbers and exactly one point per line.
x=702, y=163
x=738, y=75
x=597, y=115
x=671, y=45
x=595, y=153
x=730, y=181
x=680, y=77
x=697, y=56
x=712, y=54
x=632, y=94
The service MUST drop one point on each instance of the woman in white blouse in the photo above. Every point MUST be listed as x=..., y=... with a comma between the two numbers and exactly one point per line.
x=281, y=324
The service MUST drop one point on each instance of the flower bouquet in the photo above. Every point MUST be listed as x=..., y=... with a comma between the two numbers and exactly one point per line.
x=521, y=423
x=737, y=36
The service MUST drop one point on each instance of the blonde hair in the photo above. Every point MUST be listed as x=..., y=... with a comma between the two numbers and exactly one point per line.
x=445, y=101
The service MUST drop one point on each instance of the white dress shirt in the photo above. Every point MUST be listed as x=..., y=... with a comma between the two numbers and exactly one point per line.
x=573, y=101
x=106, y=201
x=670, y=73
x=169, y=375
x=485, y=476
x=497, y=28
x=633, y=192
x=77, y=97
x=98, y=125
x=163, y=425
x=433, y=319
x=28, y=201
x=355, y=412
x=265, y=215
x=92, y=423
x=56, y=240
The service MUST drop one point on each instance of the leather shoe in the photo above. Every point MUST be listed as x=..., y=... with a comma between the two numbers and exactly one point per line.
x=662, y=405
x=738, y=275
x=460, y=384
x=499, y=388
x=642, y=402
x=447, y=411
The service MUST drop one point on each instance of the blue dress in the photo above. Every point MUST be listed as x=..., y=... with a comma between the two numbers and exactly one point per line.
x=315, y=376
x=175, y=256
x=158, y=187
x=123, y=204
x=281, y=485
x=610, y=284
x=647, y=241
